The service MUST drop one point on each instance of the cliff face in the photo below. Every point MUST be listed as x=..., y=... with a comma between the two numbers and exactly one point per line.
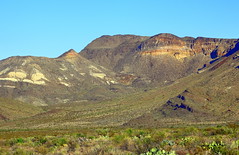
x=213, y=47
x=185, y=47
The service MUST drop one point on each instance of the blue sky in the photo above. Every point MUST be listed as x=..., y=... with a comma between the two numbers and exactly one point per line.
x=51, y=27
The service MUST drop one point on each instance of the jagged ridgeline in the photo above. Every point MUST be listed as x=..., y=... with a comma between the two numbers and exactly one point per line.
x=127, y=80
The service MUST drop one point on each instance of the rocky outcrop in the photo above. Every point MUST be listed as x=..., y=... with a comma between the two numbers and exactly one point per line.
x=185, y=47
x=69, y=54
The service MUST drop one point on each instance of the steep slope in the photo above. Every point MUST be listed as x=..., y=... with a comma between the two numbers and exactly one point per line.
x=162, y=58
x=44, y=81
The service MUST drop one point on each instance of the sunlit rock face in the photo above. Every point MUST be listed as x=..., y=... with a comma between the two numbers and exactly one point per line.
x=213, y=47
x=179, y=48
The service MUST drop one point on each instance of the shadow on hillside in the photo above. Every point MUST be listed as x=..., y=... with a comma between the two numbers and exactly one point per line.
x=234, y=50
x=231, y=52
x=214, y=54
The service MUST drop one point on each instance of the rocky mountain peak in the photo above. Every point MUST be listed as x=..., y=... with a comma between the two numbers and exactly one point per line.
x=69, y=54
x=165, y=35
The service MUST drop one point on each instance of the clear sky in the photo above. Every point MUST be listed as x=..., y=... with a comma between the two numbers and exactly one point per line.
x=51, y=27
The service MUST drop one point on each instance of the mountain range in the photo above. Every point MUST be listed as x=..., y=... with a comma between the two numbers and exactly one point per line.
x=124, y=80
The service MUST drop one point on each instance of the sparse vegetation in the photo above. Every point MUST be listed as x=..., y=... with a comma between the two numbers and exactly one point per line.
x=162, y=141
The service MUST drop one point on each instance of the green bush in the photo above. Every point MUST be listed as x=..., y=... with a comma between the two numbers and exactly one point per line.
x=129, y=132
x=215, y=147
x=20, y=140
x=80, y=135
x=186, y=141
x=118, y=138
x=167, y=142
x=156, y=151
x=102, y=132
x=14, y=141
x=59, y=141
x=39, y=140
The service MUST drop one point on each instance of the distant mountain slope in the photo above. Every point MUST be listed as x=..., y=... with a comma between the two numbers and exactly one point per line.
x=161, y=58
x=208, y=97
x=108, y=51
x=44, y=81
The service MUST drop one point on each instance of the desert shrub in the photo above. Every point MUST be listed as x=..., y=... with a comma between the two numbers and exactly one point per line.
x=190, y=131
x=39, y=140
x=98, y=149
x=72, y=146
x=215, y=147
x=140, y=133
x=19, y=151
x=91, y=137
x=118, y=138
x=129, y=132
x=102, y=132
x=235, y=145
x=144, y=143
x=233, y=126
x=156, y=151
x=20, y=140
x=186, y=141
x=59, y=141
x=167, y=142
x=128, y=144
x=42, y=149
x=158, y=136
x=3, y=151
x=14, y=141
x=218, y=131
x=80, y=135
x=224, y=131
